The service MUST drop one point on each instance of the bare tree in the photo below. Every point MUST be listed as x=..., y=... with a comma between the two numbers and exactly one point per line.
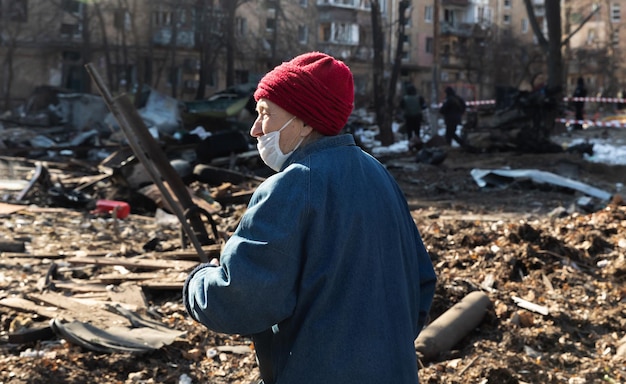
x=20, y=24
x=230, y=12
x=209, y=42
x=9, y=34
x=552, y=47
x=385, y=94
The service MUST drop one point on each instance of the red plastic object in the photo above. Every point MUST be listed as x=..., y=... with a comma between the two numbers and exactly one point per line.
x=103, y=206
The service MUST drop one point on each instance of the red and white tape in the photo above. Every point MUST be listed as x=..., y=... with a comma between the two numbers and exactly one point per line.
x=481, y=102
x=567, y=99
x=614, y=123
x=596, y=99
x=590, y=99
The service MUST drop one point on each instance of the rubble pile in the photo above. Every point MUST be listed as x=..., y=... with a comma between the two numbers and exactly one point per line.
x=92, y=293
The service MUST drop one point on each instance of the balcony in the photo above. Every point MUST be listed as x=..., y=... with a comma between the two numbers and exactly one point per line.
x=339, y=33
x=461, y=29
x=455, y=3
x=185, y=38
x=349, y=4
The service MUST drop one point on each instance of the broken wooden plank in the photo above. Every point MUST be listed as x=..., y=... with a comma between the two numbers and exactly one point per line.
x=128, y=294
x=58, y=255
x=25, y=305
x=152, y=192
x=160, y=285
x=113, y=278
x=212, y=250
x=8, y=209
x=12, y=246
x=78, y=311
x=73, y=286
x=543, y=310
x=135, y=263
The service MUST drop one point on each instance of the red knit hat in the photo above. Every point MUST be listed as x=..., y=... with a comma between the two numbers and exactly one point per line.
x=314, y=87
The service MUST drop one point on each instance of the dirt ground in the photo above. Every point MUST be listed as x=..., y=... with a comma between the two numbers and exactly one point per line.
x=519, y=241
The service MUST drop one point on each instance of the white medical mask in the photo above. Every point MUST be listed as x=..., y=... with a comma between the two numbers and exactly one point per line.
x=269, y=148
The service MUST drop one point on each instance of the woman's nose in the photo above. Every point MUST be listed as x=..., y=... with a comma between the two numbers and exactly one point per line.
x=257, y=129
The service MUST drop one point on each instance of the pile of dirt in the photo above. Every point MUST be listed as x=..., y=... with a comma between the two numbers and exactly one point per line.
x=517, y=243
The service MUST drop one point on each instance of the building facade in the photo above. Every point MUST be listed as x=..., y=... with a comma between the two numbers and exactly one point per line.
x=193, y=48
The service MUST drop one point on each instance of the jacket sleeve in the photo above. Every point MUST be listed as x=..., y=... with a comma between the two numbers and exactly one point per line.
x=255, y=285
x=428, y=280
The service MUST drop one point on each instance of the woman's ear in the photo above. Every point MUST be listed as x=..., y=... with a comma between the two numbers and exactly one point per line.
x=306, y=129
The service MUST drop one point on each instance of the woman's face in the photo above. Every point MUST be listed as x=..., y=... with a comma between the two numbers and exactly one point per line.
x=271, y=118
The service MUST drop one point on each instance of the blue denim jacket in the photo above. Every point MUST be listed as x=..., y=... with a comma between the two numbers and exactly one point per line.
x=328, y=257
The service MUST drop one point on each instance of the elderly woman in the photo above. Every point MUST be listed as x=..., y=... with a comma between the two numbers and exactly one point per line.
x=326, y=271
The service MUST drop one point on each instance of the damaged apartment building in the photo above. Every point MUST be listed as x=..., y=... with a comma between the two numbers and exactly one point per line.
x=191, y=49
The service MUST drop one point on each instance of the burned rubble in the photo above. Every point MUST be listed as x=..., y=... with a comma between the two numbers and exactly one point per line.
x=91, y=293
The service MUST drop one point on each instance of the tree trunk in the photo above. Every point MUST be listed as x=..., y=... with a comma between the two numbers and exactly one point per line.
x=383, y=115
x=7, y=68
x=397, y=61
x=105, y=45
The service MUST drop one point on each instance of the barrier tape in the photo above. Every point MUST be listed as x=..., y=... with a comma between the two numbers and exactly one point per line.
x=596, y=99
x=480, y=102
x=616, y=124
x=590, y=99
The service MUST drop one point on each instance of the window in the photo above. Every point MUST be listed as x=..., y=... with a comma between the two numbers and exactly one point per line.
x=506, y=19
x=182, y=15
x=16, y=10
x=524, y=25
x=270, y=24
x=507, y=3
x=70, y=56
x=70, y=30
x=591, y=36
x=161, y=18
x=615, y=38
x=449, y=16
x=175, y=77
x=303, y=34
x=429, y=48
x=121, y=19
x=242, y=77
x=480, y=14
x=72, y=6
x=304, y=3
x=340, y=33
x=241, y=25
x=428, y=13
x=616, y=13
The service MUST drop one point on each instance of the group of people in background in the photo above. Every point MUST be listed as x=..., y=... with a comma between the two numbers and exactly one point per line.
x=451, y=109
